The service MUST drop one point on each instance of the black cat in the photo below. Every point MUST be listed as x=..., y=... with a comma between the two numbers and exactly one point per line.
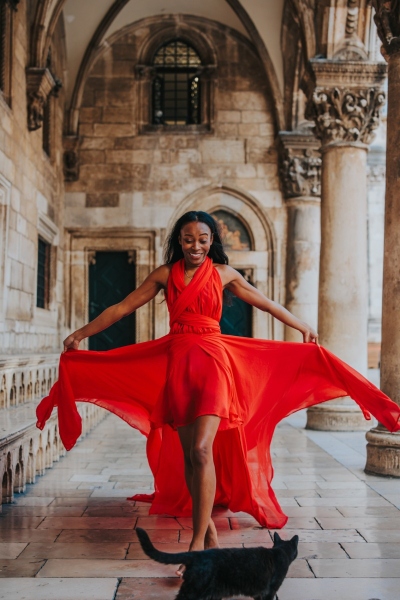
x=224, y=572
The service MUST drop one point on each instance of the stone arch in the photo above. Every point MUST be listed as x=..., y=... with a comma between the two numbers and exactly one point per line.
x=40, y=466
x=13, y=391
x=56, y=447
x=18, y=479
x=22, y=389
x=3, y=393
x=259, y=262
x=29, y=388
x=98, y=45
x=31, y=466
x=37, y=385
x=243, y=204
x=6, y=489
x=7, y=482
x=185, y=31
x=49, y=452
x=46, y=18
x=43, y=387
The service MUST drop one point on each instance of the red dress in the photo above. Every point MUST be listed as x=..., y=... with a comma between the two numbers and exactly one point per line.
x=251, y=384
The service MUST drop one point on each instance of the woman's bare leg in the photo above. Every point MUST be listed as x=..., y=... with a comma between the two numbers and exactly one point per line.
x=197, y=441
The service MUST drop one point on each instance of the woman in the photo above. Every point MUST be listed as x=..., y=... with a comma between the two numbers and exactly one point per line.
x=220, y=396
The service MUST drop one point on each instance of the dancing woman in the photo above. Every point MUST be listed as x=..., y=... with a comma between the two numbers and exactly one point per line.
x=207, y=402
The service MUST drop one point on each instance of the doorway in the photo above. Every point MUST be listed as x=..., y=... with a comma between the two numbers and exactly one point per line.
x=237, y=319
x=111, y=278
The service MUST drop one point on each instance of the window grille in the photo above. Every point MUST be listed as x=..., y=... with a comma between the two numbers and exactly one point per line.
x=43, y=274
x=176, y=85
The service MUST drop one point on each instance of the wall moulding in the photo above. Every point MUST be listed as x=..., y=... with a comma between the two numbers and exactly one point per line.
x=83, y=244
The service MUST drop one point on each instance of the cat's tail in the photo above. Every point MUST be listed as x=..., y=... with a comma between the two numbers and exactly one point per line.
x=162, y=557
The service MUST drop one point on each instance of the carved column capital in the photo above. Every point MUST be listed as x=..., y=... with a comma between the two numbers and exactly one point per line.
x=344, y=99
x=300, y=164
x=387, y=20
x=39, y=83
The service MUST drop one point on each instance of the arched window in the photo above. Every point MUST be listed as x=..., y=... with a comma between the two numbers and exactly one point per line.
x=176, y=85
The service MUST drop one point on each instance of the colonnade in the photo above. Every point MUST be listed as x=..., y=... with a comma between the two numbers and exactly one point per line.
x=344, y=102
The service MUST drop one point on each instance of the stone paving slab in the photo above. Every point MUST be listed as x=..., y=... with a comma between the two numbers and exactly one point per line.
x=366, y=568
x=118, y=535
x=29, y=535
x=20, y=568
x=11, y=550
x=385, y=550
x=76, y=525
x=148, y=589
x=338, y=589
x=76, y=550
x=58, y=589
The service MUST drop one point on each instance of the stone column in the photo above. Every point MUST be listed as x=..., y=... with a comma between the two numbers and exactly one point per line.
x=344, y=100
x=301, y=181
x=383, y=448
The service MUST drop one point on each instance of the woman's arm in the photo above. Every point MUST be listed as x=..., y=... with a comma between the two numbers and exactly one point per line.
x=234, y=282
x=144, y=293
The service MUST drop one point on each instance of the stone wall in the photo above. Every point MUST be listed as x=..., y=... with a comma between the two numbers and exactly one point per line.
x=137, y=176
x=31, y=200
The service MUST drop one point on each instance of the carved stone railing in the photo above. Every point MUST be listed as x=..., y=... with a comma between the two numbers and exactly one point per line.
x=25, y=451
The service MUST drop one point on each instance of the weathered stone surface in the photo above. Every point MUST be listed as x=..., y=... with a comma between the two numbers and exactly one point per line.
x=104, y=200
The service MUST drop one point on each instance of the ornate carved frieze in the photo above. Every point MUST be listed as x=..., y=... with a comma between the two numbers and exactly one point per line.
x=40, y=83
x=387, y=20
x=345, y=99
x=300, y=165
x=71, y=158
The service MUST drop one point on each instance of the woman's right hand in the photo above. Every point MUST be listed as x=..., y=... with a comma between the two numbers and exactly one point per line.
x=71, y=342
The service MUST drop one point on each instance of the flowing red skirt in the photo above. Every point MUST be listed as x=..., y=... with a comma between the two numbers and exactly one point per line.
x=271, y=380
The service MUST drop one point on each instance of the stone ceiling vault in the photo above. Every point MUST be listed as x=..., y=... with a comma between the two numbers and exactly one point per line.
x=90, y=23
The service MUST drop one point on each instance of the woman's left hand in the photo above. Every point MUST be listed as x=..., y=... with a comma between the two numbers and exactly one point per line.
x=310, y=335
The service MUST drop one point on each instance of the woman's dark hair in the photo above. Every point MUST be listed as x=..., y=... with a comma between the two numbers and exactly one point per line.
x=173, y=249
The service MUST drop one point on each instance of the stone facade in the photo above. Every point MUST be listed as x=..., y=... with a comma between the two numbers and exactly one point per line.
x=31, y=204
x=83, y=167
x=133, y=174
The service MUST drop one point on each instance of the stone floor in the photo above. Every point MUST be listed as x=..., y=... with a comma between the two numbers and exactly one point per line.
x=71, y=535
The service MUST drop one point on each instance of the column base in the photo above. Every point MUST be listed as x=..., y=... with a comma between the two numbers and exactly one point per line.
x=383, y=452
x=334, y=416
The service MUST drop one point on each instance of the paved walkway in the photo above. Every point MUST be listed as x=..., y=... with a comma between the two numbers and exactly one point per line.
x=71, y=535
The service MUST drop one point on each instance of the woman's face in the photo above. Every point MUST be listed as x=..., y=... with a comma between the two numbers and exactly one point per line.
x=196, y=239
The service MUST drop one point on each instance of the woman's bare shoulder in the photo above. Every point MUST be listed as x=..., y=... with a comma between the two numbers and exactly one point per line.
x=227, y=273
x=161, y=274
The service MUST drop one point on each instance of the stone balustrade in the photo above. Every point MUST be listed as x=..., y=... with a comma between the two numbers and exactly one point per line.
x=25, y=451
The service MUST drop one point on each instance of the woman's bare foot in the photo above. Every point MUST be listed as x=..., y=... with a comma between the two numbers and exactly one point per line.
x=211, y=537
x=210, y=541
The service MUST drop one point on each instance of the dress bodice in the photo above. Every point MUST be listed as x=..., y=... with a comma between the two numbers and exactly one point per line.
x=200, y=301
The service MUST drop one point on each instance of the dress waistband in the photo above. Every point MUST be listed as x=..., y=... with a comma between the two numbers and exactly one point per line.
x=196, y=322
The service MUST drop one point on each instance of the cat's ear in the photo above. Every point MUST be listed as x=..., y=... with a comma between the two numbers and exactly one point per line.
x=295, y=540
x=277, y=539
